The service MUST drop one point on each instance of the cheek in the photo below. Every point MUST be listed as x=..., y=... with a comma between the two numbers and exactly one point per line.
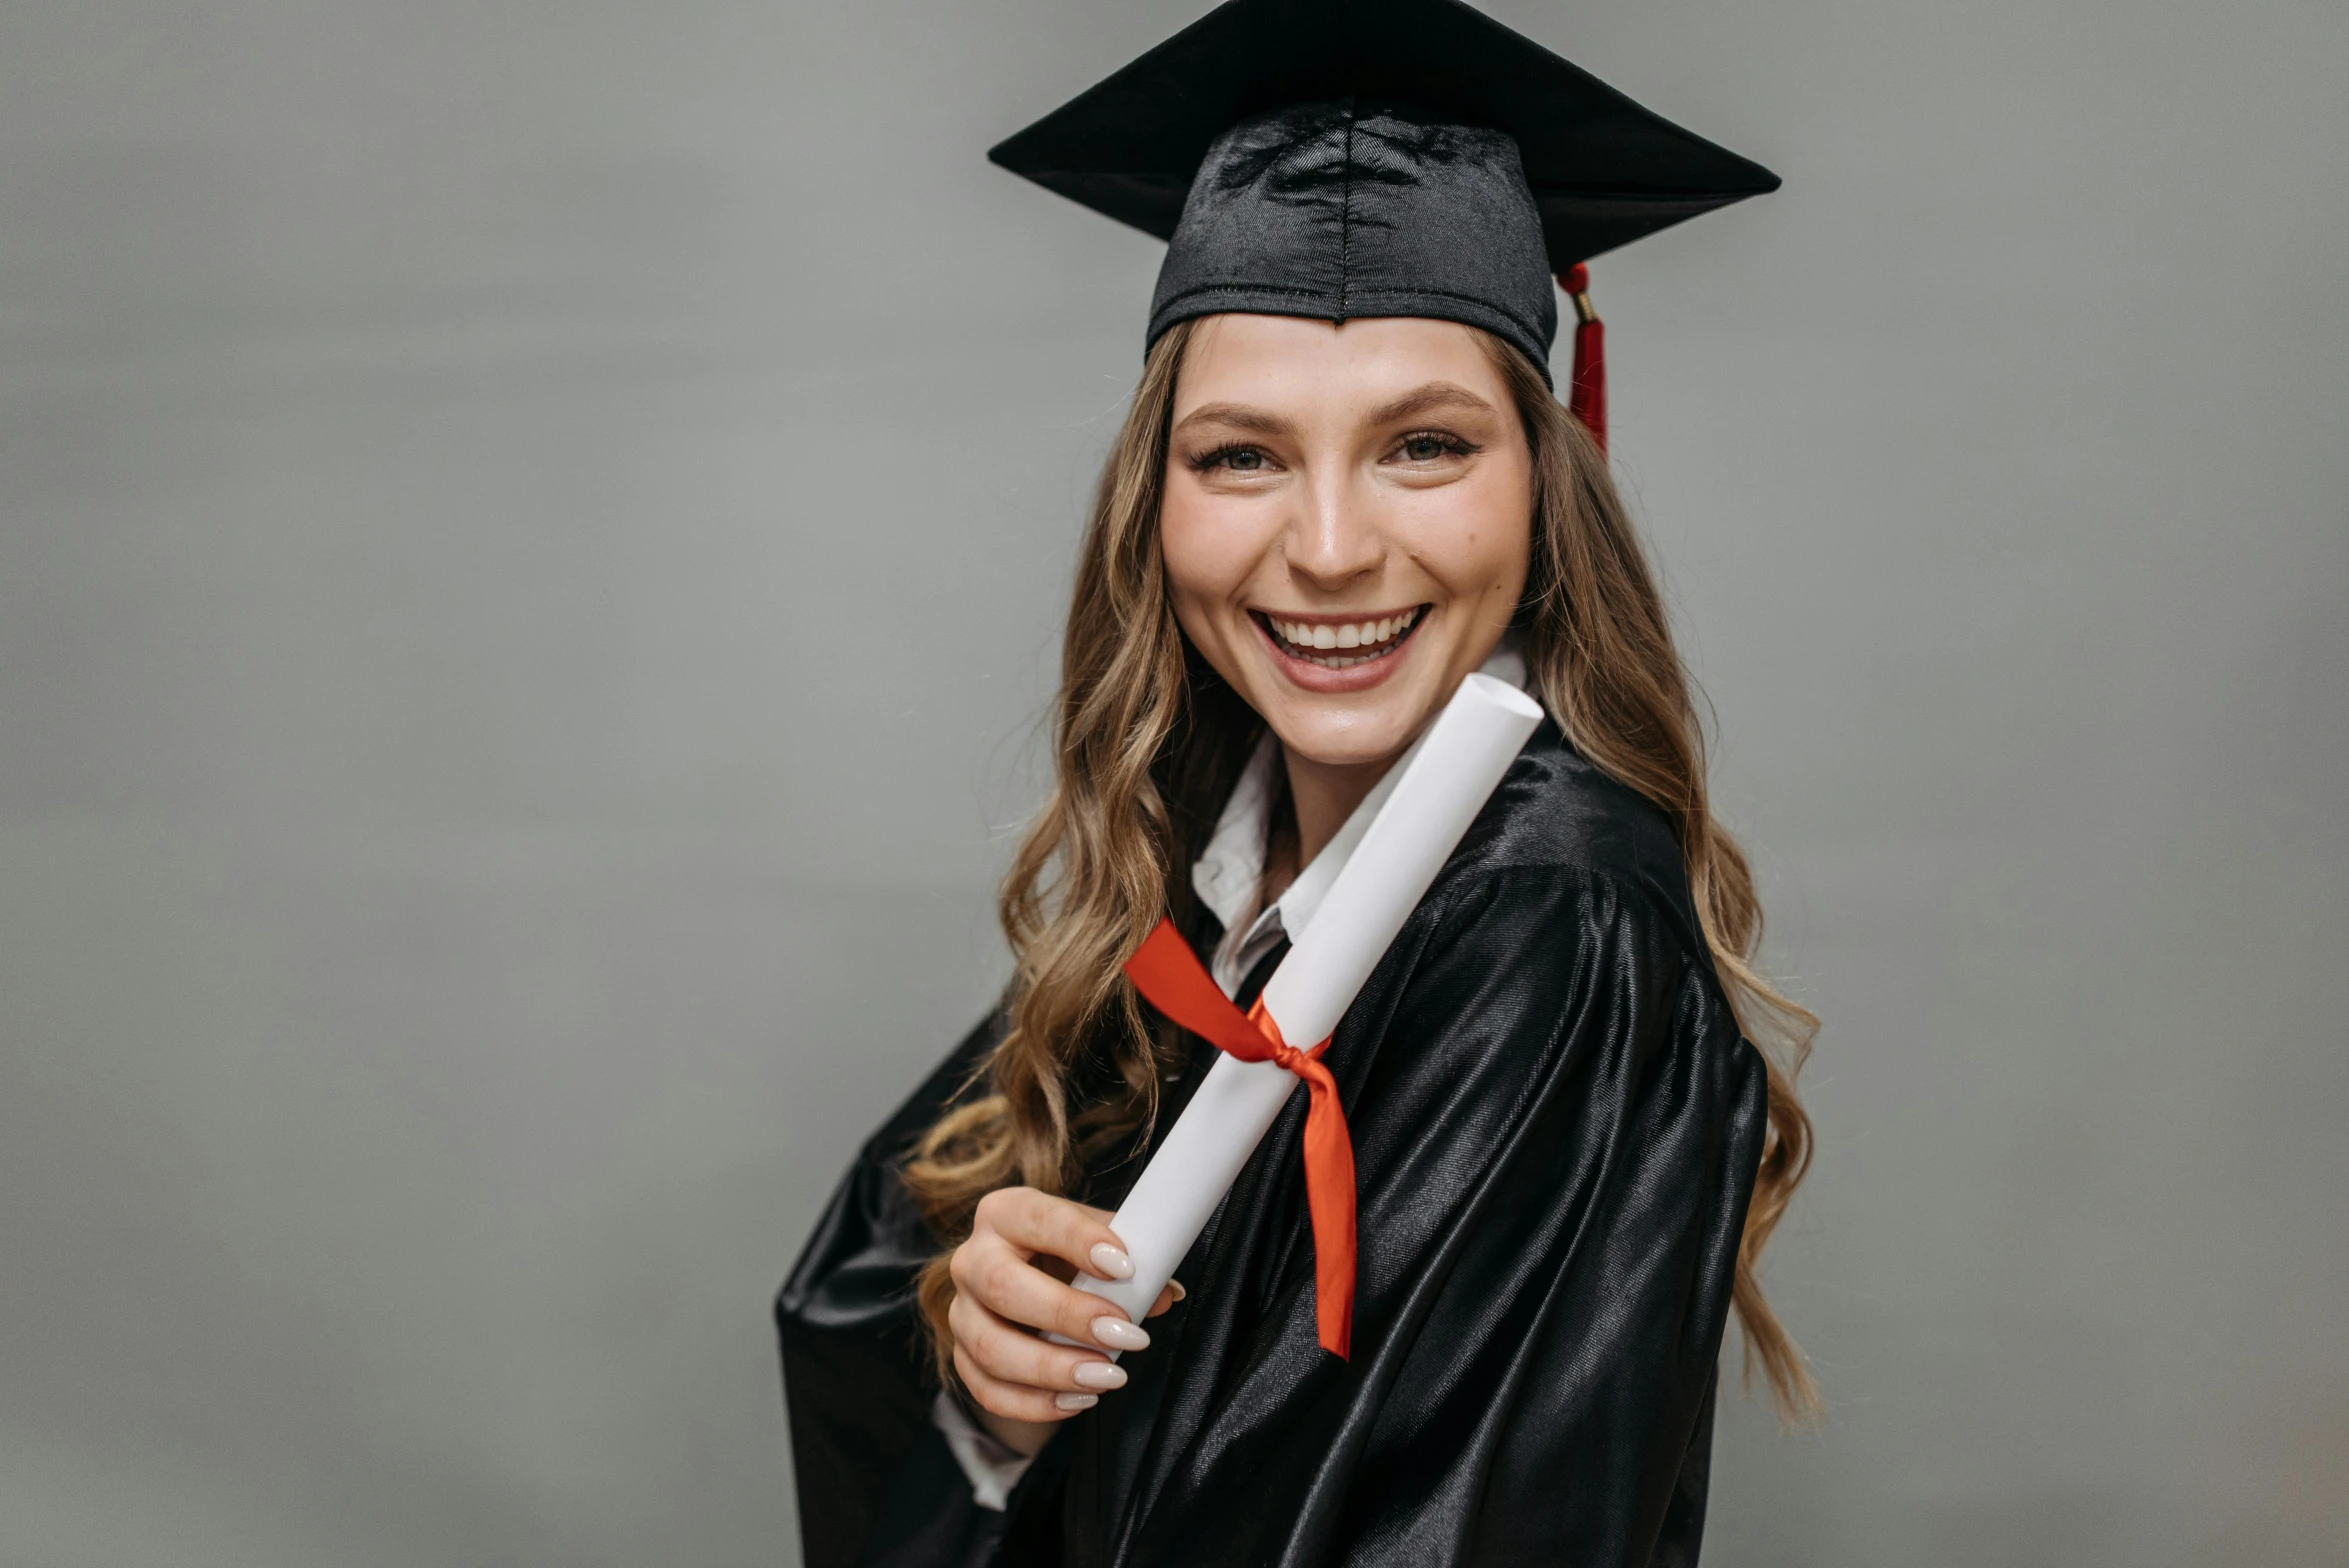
x=1210, y=549
x=1477, y=540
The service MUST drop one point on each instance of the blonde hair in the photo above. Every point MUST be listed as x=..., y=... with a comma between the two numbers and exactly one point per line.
x=1148, y=741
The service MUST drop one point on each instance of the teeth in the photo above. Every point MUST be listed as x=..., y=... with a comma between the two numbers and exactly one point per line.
x=1361, y=634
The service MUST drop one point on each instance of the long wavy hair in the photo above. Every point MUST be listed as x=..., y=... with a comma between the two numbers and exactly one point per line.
x=1148, y=742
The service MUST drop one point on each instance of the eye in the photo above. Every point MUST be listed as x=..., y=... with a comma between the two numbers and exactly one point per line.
x=1428, y=446
x=1236, y=457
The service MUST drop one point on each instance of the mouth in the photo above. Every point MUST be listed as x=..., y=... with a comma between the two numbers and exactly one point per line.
x=1335, y=644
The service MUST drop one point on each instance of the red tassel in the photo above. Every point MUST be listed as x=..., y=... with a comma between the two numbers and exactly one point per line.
x=1586, y=397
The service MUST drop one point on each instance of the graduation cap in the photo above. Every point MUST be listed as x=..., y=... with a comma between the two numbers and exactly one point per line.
x=1340, y=159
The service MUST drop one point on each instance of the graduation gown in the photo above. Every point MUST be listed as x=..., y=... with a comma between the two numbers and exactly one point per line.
x=1556, y=1125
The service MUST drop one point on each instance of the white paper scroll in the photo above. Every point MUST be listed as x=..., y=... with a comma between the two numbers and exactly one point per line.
x=1431, y=796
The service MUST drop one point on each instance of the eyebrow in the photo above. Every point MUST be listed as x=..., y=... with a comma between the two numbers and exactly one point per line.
x=1421, y=400
x=1427, y=399
x=1236, y=416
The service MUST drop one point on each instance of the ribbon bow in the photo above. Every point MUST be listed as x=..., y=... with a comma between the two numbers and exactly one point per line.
x=1171, y=978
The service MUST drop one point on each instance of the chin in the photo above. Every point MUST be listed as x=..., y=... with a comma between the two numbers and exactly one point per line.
x=1342, y=741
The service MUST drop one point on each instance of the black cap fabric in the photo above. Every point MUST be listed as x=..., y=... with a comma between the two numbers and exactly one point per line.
x=1341, y=210
x=1348, y=158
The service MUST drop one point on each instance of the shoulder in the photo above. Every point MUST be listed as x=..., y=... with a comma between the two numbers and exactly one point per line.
x=1565, y=909
x=1557, y=961
x=1558, y=822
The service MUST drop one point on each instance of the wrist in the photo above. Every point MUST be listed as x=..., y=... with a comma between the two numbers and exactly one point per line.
x=1025, y=1438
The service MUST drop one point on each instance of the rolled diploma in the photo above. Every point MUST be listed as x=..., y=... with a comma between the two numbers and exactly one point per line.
x=1439, y=786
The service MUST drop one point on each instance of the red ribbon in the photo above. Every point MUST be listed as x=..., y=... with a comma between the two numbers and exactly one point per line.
x=1171, y=978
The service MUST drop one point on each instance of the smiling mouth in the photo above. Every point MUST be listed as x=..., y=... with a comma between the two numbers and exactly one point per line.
x=1338, y=645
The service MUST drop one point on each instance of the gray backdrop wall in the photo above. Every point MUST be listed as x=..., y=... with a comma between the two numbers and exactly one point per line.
x=531, y=538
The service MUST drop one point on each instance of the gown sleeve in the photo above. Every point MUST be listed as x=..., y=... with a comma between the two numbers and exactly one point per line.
x=877, y=1483
x=1556, y=1126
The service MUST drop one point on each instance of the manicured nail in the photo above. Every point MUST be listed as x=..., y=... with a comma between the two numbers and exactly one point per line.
x=1177, y=1284
x=1112, y=1261
x=1118, y=1334
x=1076, y=1401
x=1099, y=1374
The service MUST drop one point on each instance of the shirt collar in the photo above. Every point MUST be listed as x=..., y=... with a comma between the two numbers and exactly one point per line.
x=1229, y=873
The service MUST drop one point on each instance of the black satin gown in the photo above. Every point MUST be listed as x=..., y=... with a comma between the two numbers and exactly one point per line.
x=1556, y=1125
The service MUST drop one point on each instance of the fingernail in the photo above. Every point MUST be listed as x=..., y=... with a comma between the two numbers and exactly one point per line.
x=1112, y=1261
x=1099, y=1374
x=1076, y=1401
x=1180, y=1293
x=1118, y=1334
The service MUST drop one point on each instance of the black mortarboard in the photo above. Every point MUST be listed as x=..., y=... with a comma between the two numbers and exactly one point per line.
x=1349, y=158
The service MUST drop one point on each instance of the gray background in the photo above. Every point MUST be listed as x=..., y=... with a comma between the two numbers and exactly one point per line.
x=530, y=543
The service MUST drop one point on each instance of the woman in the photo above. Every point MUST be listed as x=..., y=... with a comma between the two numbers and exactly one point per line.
x=1344, y=484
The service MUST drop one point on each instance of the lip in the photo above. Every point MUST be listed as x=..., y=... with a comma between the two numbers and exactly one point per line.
x=1322, y=680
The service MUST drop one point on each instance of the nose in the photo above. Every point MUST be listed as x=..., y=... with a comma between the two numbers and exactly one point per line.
x=1333, y=538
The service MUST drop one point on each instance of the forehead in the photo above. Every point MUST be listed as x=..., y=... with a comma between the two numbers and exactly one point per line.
x=1303, y=367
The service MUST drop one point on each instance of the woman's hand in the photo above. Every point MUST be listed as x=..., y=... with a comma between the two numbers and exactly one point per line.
x=1003, y=1294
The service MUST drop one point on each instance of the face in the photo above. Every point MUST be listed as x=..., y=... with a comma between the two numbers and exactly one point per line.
x=1347, y=521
